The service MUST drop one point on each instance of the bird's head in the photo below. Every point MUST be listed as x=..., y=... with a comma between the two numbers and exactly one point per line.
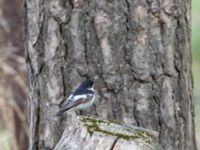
x=88, y=84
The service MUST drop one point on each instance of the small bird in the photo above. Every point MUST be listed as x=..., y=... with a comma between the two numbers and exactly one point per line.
x=81, y=98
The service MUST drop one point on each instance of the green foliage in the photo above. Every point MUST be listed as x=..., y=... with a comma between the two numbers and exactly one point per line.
x=196, y=30
x=195, y=5
x=196, y=60
x=4, y=139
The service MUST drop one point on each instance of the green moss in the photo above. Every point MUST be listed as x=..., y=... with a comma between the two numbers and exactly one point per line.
x=94, y=124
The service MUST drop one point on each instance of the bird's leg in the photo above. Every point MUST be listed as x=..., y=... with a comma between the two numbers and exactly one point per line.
x=95, y=109
x=77, y=113
x=81, y=112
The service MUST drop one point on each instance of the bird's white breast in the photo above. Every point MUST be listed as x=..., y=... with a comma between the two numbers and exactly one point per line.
x=88, y=104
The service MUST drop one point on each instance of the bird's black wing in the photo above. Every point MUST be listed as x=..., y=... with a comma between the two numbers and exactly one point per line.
x=69, y=106
x=72, y=104
x=79, y=92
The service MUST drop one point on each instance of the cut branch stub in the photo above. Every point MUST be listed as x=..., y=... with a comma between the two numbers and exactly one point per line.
x=94, y=133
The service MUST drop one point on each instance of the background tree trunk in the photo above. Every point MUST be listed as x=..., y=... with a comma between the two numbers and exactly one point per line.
x=138, y=53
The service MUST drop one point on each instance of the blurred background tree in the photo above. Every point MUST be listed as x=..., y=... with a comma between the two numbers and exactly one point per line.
x=13, y=84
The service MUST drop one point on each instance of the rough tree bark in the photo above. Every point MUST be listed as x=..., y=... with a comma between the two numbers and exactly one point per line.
x=138, y=52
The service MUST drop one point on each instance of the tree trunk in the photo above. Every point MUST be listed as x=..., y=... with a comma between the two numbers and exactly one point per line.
x=138, y=53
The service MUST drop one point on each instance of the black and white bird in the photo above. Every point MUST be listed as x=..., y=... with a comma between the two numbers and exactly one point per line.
x=81, y=98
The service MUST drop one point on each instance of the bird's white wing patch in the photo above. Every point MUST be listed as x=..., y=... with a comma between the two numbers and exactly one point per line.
x=92, y=89
x=77, y=97
x=70, y=98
